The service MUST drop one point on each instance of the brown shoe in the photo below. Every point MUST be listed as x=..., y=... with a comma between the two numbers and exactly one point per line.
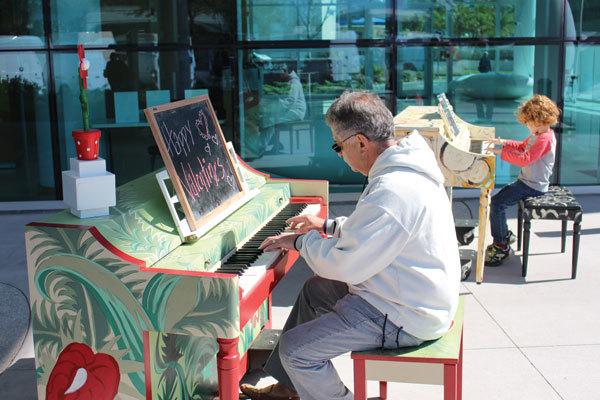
x=272, y=392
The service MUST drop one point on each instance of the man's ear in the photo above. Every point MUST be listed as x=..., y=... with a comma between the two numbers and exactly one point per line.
x=362, y=139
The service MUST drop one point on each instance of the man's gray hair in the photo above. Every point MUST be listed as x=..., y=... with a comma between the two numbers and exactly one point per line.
x=361, y=112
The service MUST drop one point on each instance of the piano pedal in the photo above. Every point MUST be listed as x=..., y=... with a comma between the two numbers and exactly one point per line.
x=465, y=230
x=261, y=348
x=468, y=258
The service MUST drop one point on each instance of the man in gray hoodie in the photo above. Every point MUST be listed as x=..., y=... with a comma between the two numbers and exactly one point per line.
x=386, y=276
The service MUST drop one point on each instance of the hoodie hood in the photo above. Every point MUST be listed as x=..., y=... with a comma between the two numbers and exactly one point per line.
x=412, y=152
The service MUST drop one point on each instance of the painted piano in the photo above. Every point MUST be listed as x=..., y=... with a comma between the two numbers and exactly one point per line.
x=461, y=152
x=121, y=308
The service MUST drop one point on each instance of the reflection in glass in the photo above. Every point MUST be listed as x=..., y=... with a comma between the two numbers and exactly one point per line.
x=26, y=163
x=148, y=22
x=285, y=94
x=313, y=19
x=582, y=18
x=21, y=24
x=484, y=85
x=121, y=84
x=580, y=158
x=478, y=19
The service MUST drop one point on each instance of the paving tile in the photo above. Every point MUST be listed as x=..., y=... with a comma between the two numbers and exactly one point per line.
x=503, y=374
x=574, y=371
x=481, y=331
x=547, y=307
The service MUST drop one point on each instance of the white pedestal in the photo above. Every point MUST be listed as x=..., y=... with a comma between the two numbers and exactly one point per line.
x=88, y=189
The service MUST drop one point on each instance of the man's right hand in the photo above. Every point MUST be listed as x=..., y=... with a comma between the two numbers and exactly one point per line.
x=305, y=223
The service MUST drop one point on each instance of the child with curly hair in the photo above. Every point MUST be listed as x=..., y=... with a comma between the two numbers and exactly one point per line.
x=535, y=156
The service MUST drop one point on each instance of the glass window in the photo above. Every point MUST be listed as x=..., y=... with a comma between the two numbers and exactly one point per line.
x=346, y=20
x=580, y=153
x=21, y=24
x=148, y=22
x=478, y=19
x=285, y=94
x=121, y=84
x=26, y=161
x=582, y=18
x=485, y=85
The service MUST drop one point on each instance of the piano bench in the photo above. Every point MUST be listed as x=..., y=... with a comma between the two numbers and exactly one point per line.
x=435, y=362
x=557, y=204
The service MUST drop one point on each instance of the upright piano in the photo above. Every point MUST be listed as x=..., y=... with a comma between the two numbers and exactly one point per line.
x=120, y=306
x=461, y=152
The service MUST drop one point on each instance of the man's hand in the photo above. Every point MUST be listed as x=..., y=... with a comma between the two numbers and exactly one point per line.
x=279, y=242
x=305, y=223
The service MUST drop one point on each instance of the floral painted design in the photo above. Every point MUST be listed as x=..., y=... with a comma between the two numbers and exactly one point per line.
x=79, y=374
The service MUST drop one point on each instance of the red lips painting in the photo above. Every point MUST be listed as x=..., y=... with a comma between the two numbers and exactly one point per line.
x=79, y=374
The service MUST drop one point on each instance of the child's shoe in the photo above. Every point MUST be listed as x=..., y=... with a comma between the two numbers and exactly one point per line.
x=495, y=255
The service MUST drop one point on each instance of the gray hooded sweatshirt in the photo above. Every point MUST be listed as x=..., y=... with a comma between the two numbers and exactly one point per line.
x=398, y=249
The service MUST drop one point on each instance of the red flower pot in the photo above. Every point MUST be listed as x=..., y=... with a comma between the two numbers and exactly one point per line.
x=87, y=143
x=79, y=374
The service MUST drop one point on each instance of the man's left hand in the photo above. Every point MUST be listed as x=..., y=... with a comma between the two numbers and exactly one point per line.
x=279, y=242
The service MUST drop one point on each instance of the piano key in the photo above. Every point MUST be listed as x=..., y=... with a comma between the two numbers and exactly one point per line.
x=265, y=260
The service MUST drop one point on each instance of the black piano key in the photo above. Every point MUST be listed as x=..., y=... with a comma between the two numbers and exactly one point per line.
x=246, y=260
x=243, y=260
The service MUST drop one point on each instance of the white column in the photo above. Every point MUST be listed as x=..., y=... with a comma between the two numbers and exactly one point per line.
x=523, y=56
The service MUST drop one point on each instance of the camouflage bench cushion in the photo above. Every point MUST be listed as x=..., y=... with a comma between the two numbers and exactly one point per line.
x=557, y=203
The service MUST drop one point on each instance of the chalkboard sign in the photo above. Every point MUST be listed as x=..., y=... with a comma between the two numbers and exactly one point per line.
x=193, y=148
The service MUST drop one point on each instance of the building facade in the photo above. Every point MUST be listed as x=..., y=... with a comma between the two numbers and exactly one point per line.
x=273, y=67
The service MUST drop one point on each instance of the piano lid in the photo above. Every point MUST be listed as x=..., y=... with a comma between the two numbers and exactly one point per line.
x=460, y=147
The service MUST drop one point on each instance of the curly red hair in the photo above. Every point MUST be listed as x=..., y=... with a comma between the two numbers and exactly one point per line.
x=540, y=110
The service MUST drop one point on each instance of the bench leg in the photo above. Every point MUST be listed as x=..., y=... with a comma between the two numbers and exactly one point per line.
x=450, y=381
x=563, y=236
x=526, y=233
x=382, y=390
x=519, y=226
x=576, y=233
x=360, y=380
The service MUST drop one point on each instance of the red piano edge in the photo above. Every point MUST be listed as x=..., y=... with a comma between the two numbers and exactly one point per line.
x=147, y=371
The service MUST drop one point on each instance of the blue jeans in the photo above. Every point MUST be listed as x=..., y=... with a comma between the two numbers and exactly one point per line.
x=327, y=321
x=508, y=196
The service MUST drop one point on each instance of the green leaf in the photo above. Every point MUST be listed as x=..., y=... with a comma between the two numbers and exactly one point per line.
x=118, y=306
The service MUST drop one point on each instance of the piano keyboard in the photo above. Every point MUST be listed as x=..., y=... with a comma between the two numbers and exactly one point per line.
x=248, y=261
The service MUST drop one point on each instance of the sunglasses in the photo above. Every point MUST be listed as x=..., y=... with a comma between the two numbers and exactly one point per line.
x=338, y=147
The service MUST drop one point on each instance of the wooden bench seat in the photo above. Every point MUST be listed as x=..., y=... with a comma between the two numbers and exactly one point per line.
x=435, y=362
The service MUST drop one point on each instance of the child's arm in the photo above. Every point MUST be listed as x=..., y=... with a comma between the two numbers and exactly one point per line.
x=524, y=157
x=515, y=144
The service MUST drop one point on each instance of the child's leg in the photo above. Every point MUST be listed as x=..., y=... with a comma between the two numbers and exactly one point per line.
x=508, y=196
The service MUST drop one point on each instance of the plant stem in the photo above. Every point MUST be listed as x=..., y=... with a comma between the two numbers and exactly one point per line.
x=84, y=105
